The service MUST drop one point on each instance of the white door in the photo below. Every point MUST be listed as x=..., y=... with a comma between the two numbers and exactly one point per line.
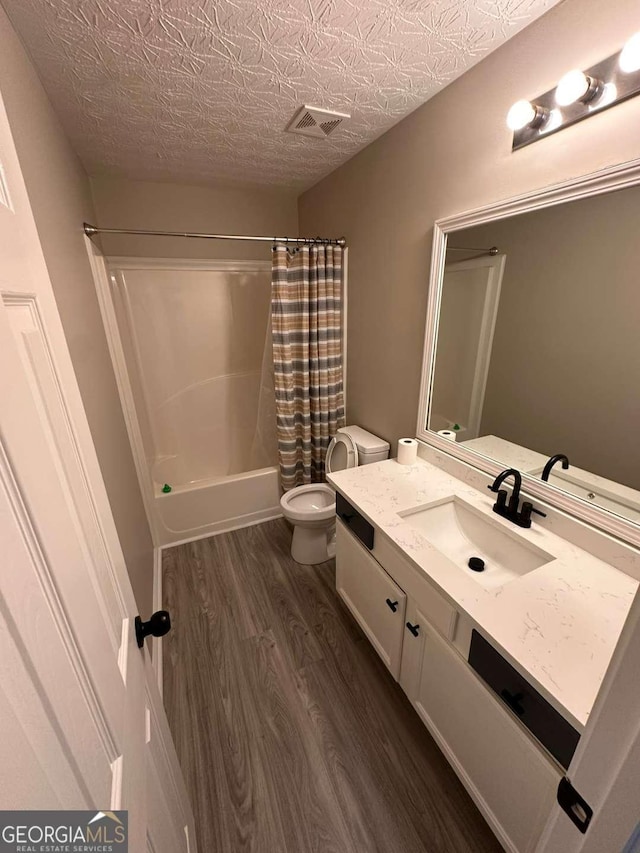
x=468, y=311
x=77, y=714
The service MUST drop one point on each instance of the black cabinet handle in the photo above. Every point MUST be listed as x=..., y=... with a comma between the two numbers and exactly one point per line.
x=392, y=604
x=158, y=625
x=513, y=701
x=356, y=523
x=413, y=628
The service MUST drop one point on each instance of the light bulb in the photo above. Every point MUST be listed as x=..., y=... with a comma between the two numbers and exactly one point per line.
x=630, y=55
x=525, y=114
x=573, y=86
x=520, y=115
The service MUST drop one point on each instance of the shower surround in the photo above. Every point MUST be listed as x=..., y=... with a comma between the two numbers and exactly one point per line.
x=192, y=337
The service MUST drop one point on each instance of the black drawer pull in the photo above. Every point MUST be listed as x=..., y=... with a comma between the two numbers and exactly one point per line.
x=413, y=628
x=392, y=604
x=356, y=523
x=533, y=710
x=513, y=701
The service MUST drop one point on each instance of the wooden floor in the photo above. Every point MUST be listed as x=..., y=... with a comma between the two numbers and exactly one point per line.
x=292, y=735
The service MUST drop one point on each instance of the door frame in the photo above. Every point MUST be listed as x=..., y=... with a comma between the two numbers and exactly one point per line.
x=495, y=264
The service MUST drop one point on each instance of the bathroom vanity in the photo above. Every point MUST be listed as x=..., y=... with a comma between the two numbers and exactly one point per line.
x=502, y=665
x=500, y=634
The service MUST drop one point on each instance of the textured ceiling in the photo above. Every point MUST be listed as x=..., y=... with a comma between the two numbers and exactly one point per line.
x=201, y=90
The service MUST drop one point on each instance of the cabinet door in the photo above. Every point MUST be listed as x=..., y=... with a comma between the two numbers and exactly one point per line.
x=377, y=603
x=511, y=780
x=413, y=651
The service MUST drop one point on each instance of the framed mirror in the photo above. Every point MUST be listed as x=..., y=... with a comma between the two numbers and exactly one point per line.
x=532, y=345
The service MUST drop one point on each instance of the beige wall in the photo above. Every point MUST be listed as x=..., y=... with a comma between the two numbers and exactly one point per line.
x=59, y=194
x=565, y=362
x=453, y=154
x=148, y=205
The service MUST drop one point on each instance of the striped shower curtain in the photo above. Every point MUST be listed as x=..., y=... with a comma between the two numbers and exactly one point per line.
x=306, y=317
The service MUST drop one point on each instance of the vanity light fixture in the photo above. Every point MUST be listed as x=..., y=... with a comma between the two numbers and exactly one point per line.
x=578, y=95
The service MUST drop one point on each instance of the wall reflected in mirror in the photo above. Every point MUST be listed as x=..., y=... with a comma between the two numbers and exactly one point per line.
x=538, y=347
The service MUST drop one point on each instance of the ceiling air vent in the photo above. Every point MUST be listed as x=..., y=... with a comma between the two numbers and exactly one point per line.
x=314, y=121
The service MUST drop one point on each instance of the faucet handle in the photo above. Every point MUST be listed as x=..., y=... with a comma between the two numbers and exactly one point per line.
x=501, y=500
x=527, y=509
x=530, y=508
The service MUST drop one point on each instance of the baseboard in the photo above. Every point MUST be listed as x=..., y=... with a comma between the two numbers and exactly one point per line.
x=156, y=657
x=249, y=520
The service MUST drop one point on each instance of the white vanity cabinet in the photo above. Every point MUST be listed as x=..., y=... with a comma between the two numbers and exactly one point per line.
x=509, y=776
x=375, y=600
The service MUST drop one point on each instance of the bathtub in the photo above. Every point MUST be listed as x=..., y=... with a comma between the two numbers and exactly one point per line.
x=194, y=337
x=234, y=501
x=219, y=477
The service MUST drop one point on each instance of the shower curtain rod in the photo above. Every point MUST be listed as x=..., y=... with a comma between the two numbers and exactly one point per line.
x=90, y=230
x=492, y=251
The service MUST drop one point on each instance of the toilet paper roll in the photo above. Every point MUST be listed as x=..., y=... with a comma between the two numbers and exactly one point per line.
x=407, y=451
x=451, y=434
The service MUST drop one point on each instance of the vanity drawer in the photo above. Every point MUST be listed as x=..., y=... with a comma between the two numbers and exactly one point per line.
x=541, y=718
x=356, y=523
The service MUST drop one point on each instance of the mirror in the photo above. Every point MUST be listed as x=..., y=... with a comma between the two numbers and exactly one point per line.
x=538, y=346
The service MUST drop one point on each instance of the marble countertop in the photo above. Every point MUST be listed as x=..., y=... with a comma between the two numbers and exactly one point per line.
x=558, y=624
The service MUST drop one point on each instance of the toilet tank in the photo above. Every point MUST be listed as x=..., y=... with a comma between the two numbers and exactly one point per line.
x=370, y=447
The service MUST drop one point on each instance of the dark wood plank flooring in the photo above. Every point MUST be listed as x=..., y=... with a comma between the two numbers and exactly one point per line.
x=292, y=735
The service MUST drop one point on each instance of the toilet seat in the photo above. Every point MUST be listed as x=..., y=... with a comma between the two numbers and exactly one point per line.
x=316, y=502
x=342, y=453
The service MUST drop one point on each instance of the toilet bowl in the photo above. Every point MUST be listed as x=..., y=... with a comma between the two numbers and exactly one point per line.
x=312, y=511
x=312, y=508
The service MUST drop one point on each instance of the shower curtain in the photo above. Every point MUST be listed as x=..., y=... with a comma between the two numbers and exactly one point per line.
x=306, y=317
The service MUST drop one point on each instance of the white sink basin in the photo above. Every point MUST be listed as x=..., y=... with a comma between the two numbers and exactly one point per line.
x=460, y=531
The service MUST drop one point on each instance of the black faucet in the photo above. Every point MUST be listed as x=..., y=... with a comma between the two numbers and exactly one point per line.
x=512, y=510
x=559, y=457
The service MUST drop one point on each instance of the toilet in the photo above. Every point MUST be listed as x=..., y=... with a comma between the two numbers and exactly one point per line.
x=312, y=509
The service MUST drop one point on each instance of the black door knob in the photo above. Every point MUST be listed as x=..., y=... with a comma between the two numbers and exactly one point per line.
x=158, y=625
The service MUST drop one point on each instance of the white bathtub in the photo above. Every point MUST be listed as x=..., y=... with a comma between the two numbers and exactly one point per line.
x=233, y=501
x=194, y=338
x=219, y=477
